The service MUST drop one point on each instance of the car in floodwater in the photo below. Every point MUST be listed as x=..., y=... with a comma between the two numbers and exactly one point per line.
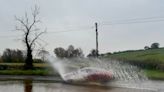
x=89, y=74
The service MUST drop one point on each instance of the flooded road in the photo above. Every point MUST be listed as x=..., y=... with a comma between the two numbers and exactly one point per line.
x=33, y=86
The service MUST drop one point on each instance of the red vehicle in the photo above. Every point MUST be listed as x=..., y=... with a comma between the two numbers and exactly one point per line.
x=89, y=74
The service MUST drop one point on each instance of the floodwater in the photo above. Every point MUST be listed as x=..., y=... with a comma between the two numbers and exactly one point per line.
x=43, y=86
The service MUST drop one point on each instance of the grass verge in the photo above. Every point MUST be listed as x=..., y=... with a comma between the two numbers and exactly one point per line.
x=154, y=74
x=27, y=72
x=151, y=59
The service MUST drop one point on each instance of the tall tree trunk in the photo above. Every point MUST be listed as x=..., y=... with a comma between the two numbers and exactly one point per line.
x=29, y=60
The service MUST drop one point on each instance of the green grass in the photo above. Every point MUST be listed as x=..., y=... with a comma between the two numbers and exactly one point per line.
x=17, y=66
x=151, y=54
x=152, y=58
x=27, y=72
x=154, y=74
x=17, y=69
x=152, y=61
x=21, y=64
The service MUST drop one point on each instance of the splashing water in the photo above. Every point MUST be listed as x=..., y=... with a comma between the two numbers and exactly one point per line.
x=76, y=69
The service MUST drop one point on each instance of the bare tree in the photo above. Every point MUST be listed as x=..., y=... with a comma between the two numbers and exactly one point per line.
x=43, y=53
x=28, y=25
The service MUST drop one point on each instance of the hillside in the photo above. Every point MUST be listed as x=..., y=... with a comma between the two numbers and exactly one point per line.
x=149, y=59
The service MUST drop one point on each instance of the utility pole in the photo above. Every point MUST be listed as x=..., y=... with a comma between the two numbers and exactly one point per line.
x=97, y=51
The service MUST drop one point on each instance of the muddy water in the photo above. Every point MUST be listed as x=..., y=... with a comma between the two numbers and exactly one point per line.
x=31, y=86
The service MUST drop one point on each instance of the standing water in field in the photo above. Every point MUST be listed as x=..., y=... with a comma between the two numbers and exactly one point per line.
x=87, y=69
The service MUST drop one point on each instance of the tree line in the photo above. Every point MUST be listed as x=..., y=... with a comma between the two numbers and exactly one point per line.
x=19, y=56
x=153, y=46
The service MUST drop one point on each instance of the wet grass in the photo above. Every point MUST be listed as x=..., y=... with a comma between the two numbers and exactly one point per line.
x=154, y=74
x=24, y=72
x=149, y=59
x=41, y=69
x=21, y=64
x=142, y=55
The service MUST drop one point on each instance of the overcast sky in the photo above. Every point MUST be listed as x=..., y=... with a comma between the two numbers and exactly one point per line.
x=116, y=33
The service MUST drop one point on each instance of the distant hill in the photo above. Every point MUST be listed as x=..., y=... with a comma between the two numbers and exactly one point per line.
x=151, y=58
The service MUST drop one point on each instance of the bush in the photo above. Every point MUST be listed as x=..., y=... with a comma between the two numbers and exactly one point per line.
x=38, y=61
x=155, y=46
x=17, y=66
x=71, y=52
x=11, y=56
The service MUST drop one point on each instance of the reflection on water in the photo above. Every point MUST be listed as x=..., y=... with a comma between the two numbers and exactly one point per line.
x=33, y=86
x=27, y=85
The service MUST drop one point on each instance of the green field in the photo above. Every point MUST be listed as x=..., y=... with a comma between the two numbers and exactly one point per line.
x=24, y=72
x=41, y=69
x=154, y=74
x=21, y=64
x=151, y=54
x=151, y=60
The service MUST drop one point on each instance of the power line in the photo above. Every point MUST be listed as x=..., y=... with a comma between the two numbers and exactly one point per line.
x=144, y=18
x=70, y=30
x=86, y=28
x=136, y=22
x=9, y=36
x=131, y=21
x=56, y=32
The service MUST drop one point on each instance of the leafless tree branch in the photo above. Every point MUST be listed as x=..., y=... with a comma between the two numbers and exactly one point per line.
x=36, y=37
x=28, y=26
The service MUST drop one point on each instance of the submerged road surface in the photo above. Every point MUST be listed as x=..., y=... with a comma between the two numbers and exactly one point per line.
x=46, y=86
